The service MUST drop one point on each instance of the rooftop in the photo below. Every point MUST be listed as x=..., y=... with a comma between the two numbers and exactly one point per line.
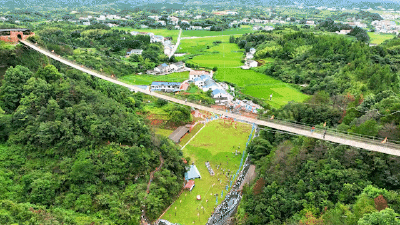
x=178, y=133
x=165, y=83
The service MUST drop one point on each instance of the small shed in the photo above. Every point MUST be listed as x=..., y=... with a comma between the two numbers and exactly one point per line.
x=189, y=185
x=179, y=133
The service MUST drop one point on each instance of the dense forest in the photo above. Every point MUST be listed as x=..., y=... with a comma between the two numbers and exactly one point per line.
x=307, y=181
x=74, y=150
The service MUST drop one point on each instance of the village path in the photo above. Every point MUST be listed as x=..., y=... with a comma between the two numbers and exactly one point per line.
x=177, y=44
x=289, y=127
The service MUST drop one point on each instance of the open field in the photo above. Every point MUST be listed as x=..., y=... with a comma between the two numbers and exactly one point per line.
x=379, y=38
x=148, y=79
x=221, y=55
x=261, y=86
x=215, y=143
x=202, y=33
x=199, y=45
x=227, y=57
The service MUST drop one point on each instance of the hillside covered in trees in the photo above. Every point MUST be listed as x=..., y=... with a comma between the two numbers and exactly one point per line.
x=307, y=181
x=73, y=149
x=355, y=88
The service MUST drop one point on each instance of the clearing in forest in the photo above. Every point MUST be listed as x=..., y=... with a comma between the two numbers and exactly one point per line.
x=215, y=143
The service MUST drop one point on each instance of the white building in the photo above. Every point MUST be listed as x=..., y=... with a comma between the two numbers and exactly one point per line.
x=198, y=73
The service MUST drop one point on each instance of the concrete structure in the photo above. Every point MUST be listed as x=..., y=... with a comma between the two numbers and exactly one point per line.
x=179, y=133
x=134, y=52
x=165, y=86
x=163, y=68
x=251, y=63
x=14, y=35
x=197, y=73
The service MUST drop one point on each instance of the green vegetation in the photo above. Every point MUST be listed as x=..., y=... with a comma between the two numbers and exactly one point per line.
x=305, y=181
x=163, y=32
x=218, y=52
x=73, y=150
x=203, y=33
x=215, y=143
x=260, y=86
x=101, y=48
x=148, y=79
x=379, y=38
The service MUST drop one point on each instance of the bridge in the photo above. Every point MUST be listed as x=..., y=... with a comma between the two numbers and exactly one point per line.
x=14, y=34
x=357, y=141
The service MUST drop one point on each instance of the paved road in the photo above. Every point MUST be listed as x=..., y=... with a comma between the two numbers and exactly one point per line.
x=358, y=142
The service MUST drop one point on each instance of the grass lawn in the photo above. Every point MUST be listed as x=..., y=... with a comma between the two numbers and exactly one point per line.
x=261, y=86
x=214, y=144
x=379, y=38
x=202, y=33
x=148, y=79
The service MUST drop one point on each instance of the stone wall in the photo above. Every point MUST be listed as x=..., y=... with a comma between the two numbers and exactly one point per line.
x=13, y=37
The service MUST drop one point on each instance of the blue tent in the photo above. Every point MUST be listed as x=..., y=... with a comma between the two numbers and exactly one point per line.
x=193, y=173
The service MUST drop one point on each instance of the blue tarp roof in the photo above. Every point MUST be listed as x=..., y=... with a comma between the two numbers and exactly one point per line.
x=165, y=83
x=217, y=91
x=193, y=173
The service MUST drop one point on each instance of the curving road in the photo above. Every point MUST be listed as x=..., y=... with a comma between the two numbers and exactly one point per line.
x=340, y=138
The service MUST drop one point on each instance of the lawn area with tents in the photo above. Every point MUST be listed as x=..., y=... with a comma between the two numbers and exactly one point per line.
x=215, y=143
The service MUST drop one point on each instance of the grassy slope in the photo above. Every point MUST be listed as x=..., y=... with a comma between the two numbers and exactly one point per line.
x=215, y=144
x=379, y=38
x=148, y=79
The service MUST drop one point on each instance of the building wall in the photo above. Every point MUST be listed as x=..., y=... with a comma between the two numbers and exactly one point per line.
x=13, y=37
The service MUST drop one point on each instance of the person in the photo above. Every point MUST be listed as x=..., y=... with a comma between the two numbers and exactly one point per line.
x=270, y=97
x=324, y=134
x=312, y=129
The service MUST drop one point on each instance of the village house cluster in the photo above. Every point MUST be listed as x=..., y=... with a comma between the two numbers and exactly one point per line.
x=164, y=68
x=386, y=27
x=249, y=62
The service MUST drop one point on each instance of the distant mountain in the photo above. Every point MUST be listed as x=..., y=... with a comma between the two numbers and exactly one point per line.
x=121, y=4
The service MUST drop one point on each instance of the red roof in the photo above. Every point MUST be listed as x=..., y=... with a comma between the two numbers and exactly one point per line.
x=189, y=184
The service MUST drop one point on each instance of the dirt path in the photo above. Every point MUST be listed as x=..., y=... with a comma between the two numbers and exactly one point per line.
x=144, y=219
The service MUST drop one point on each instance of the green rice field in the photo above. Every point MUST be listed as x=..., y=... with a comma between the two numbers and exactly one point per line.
x=203, y=33
x=227, y=58
x=379, y=38
x=261, y=86
x=215, y=143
